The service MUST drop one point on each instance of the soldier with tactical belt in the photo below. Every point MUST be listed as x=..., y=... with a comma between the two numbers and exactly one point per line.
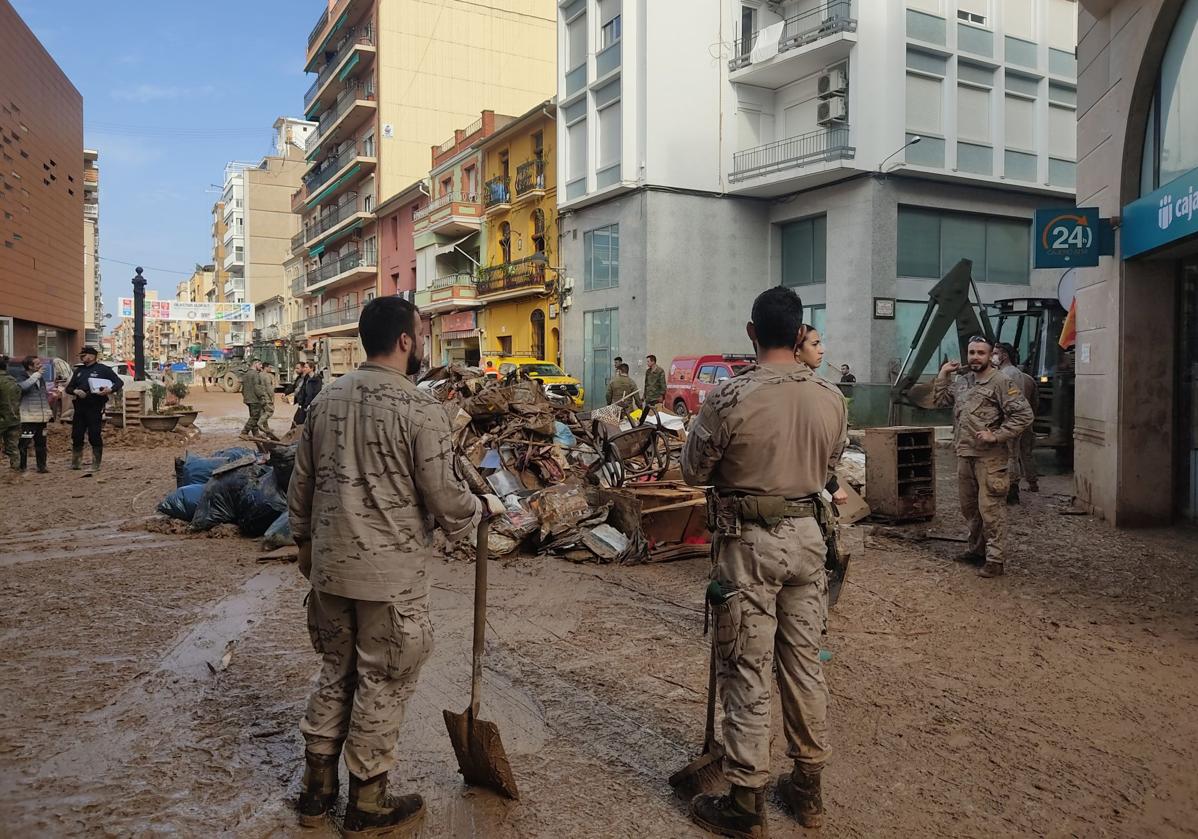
x=767, y=441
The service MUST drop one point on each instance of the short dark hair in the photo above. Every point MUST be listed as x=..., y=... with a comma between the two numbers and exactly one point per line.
x=623, y=368
x=651, y=357
x=1010, y=351
x=27, y=361
x=617, y=360
x=777, y=317
x=383, y=321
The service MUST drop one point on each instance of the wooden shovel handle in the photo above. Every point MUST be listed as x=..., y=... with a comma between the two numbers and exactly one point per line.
x=480, y=613
x=709, y=730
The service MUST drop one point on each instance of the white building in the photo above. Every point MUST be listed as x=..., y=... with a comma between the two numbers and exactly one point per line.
x=756, y=137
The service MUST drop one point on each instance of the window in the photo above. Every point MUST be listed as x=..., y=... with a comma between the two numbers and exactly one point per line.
x=505, y=242
x=1062, y=25
x=973, y=114
x=368, y=296
x=1062, y=132
x=748, y=26
x=973, y=11
x=576, y=42
x=537, y=219
x=1019, y=19
x=706, y=375
x=538, y=145
x=609, y=33
x=576, y=150
x=601, y=257
x=504, y=162
x=470, y=182
x=600, y=346
x=609, y=135
x=1171, y=131
x=930, y=242
x=447, y=185
x=924, y=106
x=1020, y=123
x=370, y=251
x=804, y=251
x=368, y=203
x=368, y=145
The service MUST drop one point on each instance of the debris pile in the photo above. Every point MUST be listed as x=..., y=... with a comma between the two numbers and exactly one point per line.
x=587, y=486
x=233, y=487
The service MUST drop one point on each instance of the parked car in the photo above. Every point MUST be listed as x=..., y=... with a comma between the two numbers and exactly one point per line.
x=556, y=381
x=691, y=377
x=124, y=369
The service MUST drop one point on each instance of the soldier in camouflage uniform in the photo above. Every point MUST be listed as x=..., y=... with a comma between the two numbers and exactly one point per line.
x=989, y=411
x=767, y=441
x=1020, y=462
x=10, y=414
x=251, y=395
x=373, y=471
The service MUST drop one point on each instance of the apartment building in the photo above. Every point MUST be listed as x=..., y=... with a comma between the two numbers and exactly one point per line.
x=219, y=332
x=201, y=288
x=41, y=199
x=93, y=299
x=1136, y=425
x=803, y=143
x=392, y=79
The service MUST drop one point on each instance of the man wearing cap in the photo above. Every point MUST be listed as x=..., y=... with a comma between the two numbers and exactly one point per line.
x=90, y=384
x=989, y=411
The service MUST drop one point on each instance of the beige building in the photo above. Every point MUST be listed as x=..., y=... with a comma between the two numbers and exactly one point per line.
x=1136, y=430
x=201, y=288
x=393, y=79
x=93, y=300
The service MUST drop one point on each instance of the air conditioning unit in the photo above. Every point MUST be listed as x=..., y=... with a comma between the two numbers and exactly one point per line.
x=832, y=110
x=833, y=83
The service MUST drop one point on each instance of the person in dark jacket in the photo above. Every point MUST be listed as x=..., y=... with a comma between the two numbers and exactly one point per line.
x=91, y=384
x=35, y=413
x=306, y=389
x=10, y=413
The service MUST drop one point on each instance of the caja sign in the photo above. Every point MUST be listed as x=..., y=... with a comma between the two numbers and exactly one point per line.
x=1161, y=217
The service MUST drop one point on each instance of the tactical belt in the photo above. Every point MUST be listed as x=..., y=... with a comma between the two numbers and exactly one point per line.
x=727, y=512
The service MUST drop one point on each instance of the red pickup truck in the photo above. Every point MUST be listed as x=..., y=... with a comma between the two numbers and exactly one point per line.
x=691, y=377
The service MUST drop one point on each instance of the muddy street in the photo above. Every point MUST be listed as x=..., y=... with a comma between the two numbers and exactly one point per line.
x=153, y=681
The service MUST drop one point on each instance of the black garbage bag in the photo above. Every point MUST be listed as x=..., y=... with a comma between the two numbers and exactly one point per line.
x=181, y=503
x=221, y=502
x=260, y=503
x=197, y=469
x=278, y=535
x=282, y=460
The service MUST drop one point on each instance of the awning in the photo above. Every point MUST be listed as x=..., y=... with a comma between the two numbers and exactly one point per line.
x=339, y=234
x=345, y=71
x=325, y=43
x=317, y=251
x=443, y=249
x=332, y=187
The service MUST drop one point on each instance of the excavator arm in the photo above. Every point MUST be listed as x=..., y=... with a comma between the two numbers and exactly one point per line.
x=949, y=304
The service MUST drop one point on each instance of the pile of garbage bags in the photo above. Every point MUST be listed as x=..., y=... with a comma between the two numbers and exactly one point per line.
x=234, y=486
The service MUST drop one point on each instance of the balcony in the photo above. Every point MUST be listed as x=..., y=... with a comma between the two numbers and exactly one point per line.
x=514, y=279
x=446, y=294
x=297, y=241
x=344, y=15
x=234, y=258
x=355, y=52
x=318, y=28
x=297, y=286
x=802, y=152
x=352, y=266
x=530, y=180
x=355, y=104
x=338, y=219
x=329, y=321
x=497, y=194
x=298, y=198
x=809, y=42
x=452, y=214
x=91, y=179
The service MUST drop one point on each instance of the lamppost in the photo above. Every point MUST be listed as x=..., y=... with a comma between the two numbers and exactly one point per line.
x=139, y=327
x=902, y=148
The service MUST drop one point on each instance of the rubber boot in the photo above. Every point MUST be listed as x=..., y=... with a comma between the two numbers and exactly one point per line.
x=1013, y=493
x=740, y=813
x=991, y=569
x=24, y=458
x=41, y=461
x=97, y=457
x=318, y=796
x=800, y=792
x=372, y=812
x=77, y=457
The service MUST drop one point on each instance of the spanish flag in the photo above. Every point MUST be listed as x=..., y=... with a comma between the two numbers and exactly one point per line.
x=1069, y=330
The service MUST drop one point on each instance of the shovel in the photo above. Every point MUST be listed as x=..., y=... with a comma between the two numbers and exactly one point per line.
x=481, y=758
x=704, y=774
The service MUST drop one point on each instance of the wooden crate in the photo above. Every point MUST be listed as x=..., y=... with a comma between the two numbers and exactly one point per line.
x=900, y=472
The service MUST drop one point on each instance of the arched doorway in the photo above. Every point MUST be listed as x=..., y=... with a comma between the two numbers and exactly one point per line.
x=555, y=346
x=537, y=320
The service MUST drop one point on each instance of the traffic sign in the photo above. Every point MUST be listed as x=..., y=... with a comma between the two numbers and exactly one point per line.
x=1067, y=237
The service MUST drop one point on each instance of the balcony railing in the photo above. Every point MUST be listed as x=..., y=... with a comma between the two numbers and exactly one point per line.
x=334, y=217
x=496, y=191
x=328, y=320
x=298, y=198
x=511, y=276
x=451, y=280
x=353, y=39
x=332, y=166
x=815, y=146
x=530, y=176
x=298, y=239
x=316, y=30
x=297, y=286
x=345, y=101
x=827, y=19
x=355, y=259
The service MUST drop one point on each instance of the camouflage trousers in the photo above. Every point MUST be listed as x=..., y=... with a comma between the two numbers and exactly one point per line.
x=778, y=619
x=11, y=438
x=260, y=414
x=1020, y=464
x=982, y=483
x=371, y=653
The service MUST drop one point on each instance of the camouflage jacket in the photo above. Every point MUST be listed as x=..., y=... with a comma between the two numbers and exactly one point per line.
x=655, y=385
x=776, y=429
x=996, y=405
x=374, y=470
x=255, y=388
x=10, y=401
x=619, y=387
x=1025, y=383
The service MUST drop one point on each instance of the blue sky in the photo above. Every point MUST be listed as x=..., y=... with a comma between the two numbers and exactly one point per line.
x=171, y=92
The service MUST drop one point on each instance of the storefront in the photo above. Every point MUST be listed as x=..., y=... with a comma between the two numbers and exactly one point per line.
x=1136, y=430
x=456, y=338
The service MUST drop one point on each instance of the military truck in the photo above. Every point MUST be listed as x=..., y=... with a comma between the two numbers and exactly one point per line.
x=227, y=374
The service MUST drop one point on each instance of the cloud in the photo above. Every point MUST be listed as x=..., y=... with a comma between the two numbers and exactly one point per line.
x=146, y=93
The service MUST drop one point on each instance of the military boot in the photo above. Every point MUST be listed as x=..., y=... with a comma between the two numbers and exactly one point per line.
x=740, y=813
x=800, y=792
x=372, y=812
x=24, y=458
x=991, y=569
x=97, y=457
x=77, y=457
x=1013, y=493
x=319, y=793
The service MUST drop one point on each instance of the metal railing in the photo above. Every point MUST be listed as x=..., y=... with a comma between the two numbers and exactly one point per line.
x=328, y=320
x=498, y=190
x=345, y=101
x=523, y=273
x=353, y=39
x=801, y=29
x=316, y=30
x=825, y=144
x=529, y=176
x=477, y=125
x=334, y=217
x=352, y=260
x=297, y=286
x=331, y=166
x=443, y=201
x=299, y=238
x=451, y=280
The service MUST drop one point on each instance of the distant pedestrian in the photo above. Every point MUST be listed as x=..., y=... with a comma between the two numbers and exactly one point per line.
x=90, y=384
x=307, y=388
x=10, y=413
x=1020, y=464
x=655, y=382
x=846, y=375
x=259, y=399
x=35, y=413
x=621, y=386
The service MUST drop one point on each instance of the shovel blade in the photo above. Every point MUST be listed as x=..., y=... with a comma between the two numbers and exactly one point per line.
x=481, y=758
x=702, y=776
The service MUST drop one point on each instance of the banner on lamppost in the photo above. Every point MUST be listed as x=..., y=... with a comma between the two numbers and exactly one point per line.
x=181, y=310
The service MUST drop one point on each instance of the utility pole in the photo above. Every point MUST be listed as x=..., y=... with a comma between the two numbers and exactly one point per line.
x=139, y=327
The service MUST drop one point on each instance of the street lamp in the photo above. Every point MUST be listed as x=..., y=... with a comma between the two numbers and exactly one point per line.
x=901, y=149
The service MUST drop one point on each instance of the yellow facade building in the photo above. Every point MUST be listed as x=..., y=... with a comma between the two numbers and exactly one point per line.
x=518, y=281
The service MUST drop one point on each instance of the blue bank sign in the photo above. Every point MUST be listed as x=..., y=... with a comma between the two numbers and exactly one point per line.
x=1161, y=217
x=1067, y=237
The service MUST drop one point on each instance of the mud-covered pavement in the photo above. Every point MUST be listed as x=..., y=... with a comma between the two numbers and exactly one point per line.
x=151, y=683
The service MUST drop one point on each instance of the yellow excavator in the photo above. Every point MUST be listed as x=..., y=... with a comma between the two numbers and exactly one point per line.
x=1030, y=324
